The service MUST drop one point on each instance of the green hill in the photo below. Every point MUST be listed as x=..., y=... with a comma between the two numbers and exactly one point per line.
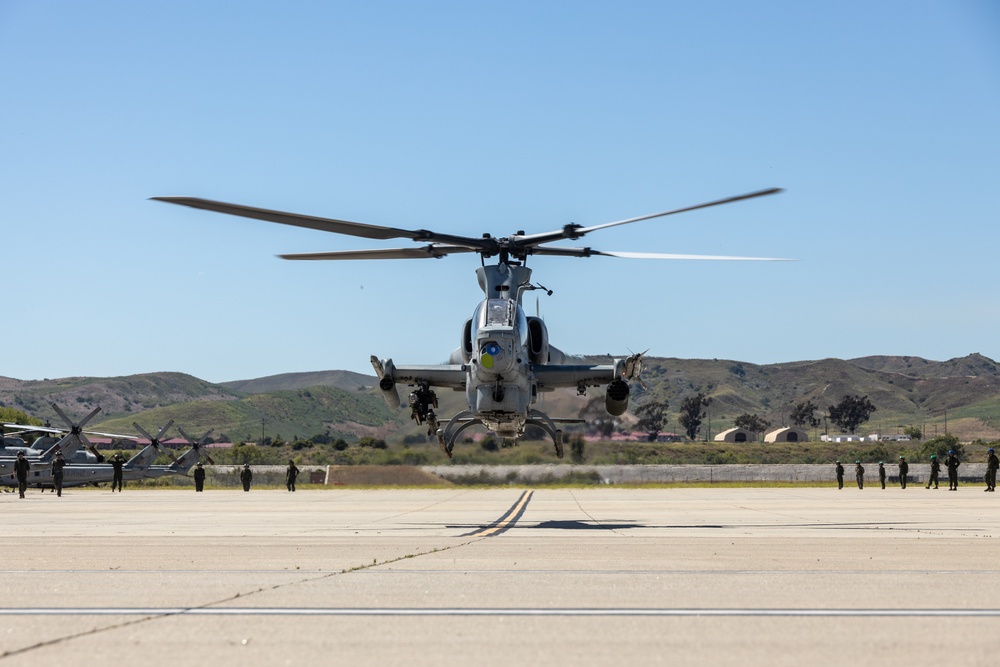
x=129, y=395
x=342, y=379
x=960, y=395
x=301, y=413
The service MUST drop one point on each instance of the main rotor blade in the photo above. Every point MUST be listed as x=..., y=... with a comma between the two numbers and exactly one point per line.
x=329, y=224
x=574, y=232
x=590, y=252
x=312, y=222
x=34, y=429
x=433, y=251
x=113, y=436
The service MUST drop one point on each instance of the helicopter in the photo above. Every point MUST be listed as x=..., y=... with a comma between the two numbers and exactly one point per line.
x=504, y=361
x=91, y=470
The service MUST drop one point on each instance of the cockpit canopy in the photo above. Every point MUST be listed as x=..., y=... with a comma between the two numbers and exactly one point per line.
x=500, y=314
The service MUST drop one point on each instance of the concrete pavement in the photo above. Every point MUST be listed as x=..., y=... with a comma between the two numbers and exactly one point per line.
x=501, y=576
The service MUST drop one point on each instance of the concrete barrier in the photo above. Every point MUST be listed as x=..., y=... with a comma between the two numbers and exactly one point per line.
x=969, y=473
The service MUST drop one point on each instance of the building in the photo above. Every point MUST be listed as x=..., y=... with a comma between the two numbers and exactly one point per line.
x=787, y=434
x=735, y=435
x=844, y=437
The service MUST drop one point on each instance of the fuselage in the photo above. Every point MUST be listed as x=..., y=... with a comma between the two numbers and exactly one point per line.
x=501, y=386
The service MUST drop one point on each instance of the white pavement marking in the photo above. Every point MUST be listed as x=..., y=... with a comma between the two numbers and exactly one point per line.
x=446, y=611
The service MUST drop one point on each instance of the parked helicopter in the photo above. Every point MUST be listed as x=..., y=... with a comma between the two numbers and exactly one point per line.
x=72, y=443
x=504, y=360
x=80, y=473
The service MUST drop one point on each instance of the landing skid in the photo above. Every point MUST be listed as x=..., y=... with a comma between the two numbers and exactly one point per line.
x=449, y=434
x=542, y=421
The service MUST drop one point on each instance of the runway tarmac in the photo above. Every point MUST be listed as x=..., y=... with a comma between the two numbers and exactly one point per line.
x=708, y=576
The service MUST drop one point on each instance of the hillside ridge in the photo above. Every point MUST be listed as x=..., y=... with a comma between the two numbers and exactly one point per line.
x=961, y=395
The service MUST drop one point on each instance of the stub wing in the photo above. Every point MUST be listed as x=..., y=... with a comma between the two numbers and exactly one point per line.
x=553, y=376
x=452, y=376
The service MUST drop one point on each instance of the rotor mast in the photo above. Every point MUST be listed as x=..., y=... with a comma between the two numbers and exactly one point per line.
x=503, y=281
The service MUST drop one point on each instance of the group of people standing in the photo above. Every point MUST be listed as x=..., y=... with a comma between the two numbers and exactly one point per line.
x=951, y=463
x=22, y=466
x=246, y=476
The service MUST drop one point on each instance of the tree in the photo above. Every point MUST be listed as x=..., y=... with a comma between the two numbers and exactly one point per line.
x=914, y=432
x=652, y=417
x=692, y=413
x=851, y=412
x=940, y=446
x=753, y=423
x=598, y=420
x=18, y=417
x=374, y=443
x=804, y=414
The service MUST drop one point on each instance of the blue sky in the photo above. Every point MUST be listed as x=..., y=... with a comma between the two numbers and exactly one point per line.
x=880, y=119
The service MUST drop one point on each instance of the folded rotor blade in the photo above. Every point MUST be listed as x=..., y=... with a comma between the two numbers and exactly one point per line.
x=163, y=431
x=83, y=422
x=574, y=231
x=142, y=431
x=62, y=415
x=433, y=251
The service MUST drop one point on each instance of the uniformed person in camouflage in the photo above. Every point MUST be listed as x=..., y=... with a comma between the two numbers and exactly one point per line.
x=57, y=472
x=117, y=462
x=952, y=463
x=21, y=468
x=881, y=473
x=935, y=469
x=992, y=463
x=904, y=470
x=859, y=474
x=840, y=475
x=199, y=477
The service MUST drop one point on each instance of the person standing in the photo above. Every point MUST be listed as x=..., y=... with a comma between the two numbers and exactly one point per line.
x=246, y=476
x=57, y=472
x=952, y=462
x=859, y=474
x=992, y=463
x=935, y=469
x=199, y=477
x=21, y=468
x=904, y=470
x=290, y=475
x=117, y=461
x=881, y=474
x=840, y=475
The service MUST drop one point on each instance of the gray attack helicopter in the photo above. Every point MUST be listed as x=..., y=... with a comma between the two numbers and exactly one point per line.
x=504, y=360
